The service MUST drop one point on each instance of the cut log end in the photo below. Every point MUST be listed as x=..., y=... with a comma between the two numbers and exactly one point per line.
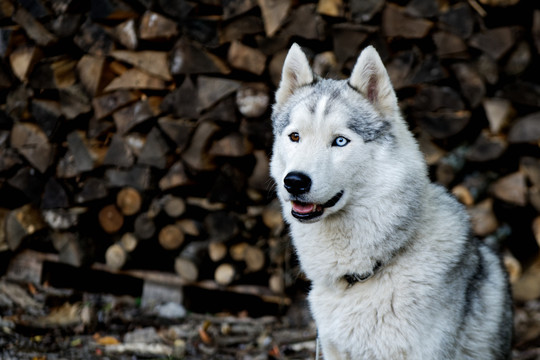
x=110, y=219
x=129, y=201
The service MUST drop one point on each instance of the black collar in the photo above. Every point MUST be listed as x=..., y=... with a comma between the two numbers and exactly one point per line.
x=353, y=278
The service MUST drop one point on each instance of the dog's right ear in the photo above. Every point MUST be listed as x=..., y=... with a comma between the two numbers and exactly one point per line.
x=296, y=73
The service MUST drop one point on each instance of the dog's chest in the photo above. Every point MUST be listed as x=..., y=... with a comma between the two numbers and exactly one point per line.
x=376, y=320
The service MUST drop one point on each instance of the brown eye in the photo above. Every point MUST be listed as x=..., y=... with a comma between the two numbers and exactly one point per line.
x=295, y=137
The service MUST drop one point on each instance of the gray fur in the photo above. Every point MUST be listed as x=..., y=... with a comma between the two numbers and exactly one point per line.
x=395, y=272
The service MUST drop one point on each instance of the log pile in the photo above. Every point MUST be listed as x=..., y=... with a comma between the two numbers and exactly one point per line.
x=136, y=133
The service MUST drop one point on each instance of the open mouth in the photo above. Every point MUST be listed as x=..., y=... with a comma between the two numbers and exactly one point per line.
x=309, y=211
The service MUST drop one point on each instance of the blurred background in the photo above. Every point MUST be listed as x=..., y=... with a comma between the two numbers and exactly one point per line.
x=137, y=216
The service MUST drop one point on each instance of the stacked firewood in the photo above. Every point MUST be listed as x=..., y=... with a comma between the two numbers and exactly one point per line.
x=136, y=133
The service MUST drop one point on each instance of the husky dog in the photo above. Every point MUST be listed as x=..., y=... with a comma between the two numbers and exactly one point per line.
x=395, y=273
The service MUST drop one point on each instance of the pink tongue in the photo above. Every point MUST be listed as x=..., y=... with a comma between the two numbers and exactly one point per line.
x=303, y=208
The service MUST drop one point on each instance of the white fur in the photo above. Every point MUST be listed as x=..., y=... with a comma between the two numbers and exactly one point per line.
x=406, y=310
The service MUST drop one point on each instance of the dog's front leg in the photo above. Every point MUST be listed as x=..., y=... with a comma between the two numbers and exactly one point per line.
x=331, y=352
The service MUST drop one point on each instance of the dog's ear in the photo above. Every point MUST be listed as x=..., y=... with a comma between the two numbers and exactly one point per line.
x=370, y=78
x=296, y=72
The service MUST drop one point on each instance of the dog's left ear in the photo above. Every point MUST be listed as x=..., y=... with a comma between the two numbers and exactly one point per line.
x=296, y=73
x=370, y=78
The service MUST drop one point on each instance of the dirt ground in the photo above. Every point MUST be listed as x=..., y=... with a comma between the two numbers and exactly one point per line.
x=45, y=323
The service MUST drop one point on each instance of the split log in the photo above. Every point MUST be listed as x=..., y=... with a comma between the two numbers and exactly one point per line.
x=519, y=59
x=111, y=10
x=129, y=201
x=232, y=145
x=93, y=39
x=334, y=8
x=486, y=148
x=180, y=102
x=536, y=29
x=31, y=142
x=211, y=90
x=189, y=227
x=119, y=153
x=274, y=14
x=74, y=101
x=260, y=177
x=534, y=197
x=188, y=262
x=3, y=216
x=494, y=42
x=110, y=219
x=178, y=130
x=28, y=182
x=132, y=115
x=196, y=155
x=153, y=62
x=190, y=58
x=499, y=112
x=483, y=218
x=175, y=177
x=21, y=223
x=54, y=73
x=155, y=149
x=458, y=19
x=470, y=82
x=363, y=11
x=155, y=27
x=527, y=287
x=84, y=158
x=23, y=60
x=525, y=129
x=171, y=237
x=450, y=165
x=34, y=29
x=305, y=22
x=136, y=79
x=513, y=267
x=531, y=168
x=473, y=188
x=246, y=58
x=62, y=219
x=90, y=69
x=54, y=195
x=92, y=189
x=444, y=123
x=237, y=28
x=511, y=188
x=107, y=104
x=325, y=64
x=126, y=34
x=396, y=22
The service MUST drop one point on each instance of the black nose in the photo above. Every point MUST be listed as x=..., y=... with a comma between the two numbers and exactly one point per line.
x=297, y=183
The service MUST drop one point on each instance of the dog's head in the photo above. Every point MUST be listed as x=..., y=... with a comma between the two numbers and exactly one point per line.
x=334, y=138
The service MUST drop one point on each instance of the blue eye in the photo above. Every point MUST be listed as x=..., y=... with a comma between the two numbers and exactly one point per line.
x=340, y=141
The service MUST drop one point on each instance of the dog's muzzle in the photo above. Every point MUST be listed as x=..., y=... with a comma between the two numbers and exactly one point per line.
x=297, y=184
x=307, y=212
